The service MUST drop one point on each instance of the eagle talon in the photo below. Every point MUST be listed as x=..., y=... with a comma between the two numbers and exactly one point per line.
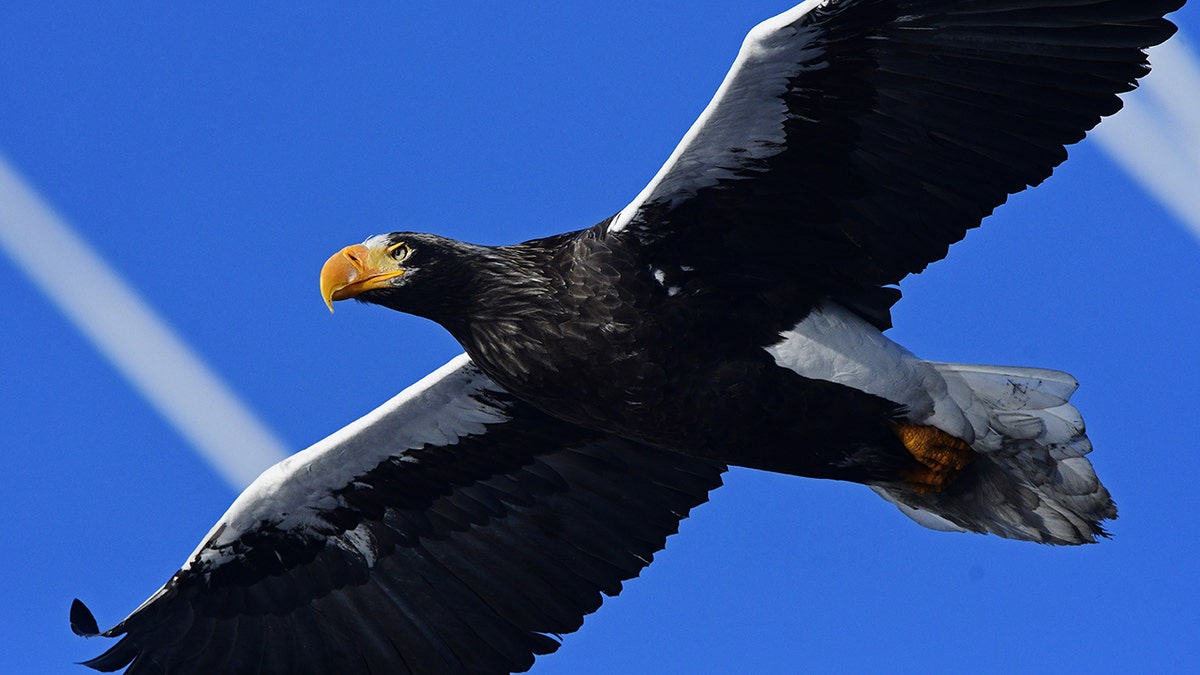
x=941, y=456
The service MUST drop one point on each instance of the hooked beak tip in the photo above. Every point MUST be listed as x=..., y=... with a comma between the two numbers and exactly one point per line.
x=341, y=270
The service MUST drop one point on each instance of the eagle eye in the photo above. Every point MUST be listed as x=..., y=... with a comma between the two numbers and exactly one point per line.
x=399, y=251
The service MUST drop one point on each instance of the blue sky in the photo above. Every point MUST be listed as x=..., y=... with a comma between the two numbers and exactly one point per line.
x=215, y=154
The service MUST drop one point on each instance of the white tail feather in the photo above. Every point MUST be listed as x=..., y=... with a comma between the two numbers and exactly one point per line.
x=1029, y=479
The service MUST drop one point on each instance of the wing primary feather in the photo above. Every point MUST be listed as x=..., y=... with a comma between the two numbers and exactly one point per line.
x=83, y=622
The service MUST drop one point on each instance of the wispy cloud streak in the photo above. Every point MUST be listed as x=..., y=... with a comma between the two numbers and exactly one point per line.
x=1156, y=138
x=129, y=334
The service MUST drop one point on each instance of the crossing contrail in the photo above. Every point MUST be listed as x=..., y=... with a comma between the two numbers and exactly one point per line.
x=1156, y=138
x=132, y=337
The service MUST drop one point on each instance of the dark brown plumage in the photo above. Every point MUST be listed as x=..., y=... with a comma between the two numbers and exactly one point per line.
x=578, y=326
x=730, y=314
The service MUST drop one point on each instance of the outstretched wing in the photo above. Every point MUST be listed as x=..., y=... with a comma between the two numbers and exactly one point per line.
x=454, y=529
x=854, y=140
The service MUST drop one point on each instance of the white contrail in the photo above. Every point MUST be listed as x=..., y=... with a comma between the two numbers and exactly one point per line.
x=1156, y=138
x=126, y=331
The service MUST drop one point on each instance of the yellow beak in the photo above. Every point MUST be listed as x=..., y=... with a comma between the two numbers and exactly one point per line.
x=354, y=270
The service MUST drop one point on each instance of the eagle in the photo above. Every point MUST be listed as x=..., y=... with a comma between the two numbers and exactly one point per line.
x=732, y=314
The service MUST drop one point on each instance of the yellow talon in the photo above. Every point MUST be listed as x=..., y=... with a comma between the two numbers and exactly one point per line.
x=941, y=456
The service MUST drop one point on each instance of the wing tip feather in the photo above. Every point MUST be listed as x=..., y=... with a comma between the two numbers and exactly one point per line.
x=83, y=622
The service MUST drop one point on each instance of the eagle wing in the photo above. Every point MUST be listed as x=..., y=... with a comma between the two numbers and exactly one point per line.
x=454, y=529
x=853, y=141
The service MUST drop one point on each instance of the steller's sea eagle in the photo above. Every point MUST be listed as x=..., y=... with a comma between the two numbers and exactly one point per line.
x=731, y=314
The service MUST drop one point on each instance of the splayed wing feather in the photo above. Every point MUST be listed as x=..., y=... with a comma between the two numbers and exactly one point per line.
x=853, y=141
x=463, y=553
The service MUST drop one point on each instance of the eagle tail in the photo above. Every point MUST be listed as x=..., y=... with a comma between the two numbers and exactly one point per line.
x=1029, y=477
